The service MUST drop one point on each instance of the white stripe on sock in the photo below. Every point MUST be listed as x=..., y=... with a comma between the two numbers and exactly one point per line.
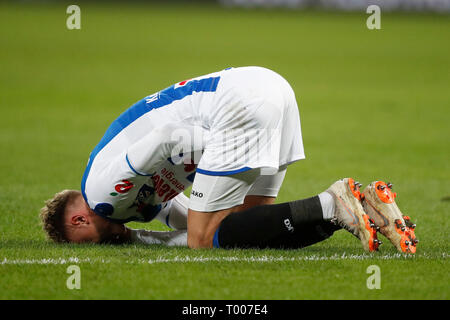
x=327, y=203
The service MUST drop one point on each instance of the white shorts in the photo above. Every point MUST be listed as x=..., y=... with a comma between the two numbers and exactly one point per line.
x=256, y=124
x=212, y=193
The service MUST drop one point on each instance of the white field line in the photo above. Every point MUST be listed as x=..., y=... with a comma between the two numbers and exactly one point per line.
x=201, y=259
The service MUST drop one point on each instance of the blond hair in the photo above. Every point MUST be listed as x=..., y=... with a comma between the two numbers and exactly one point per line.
x=52, y=214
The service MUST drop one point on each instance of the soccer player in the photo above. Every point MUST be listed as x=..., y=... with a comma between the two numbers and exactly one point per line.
x=231, y=134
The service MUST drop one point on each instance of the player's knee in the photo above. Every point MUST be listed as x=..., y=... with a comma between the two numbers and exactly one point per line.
x=198, y=240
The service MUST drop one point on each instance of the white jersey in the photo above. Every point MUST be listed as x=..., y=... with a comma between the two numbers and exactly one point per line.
x=226, y=122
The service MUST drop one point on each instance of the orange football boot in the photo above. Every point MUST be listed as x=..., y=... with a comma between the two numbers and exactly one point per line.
x=350, y=215
x=378, y=201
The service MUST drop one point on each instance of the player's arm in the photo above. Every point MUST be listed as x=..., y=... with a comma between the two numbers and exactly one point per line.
x=168, y=238
x=154, y=148
x=174, y=213
x=112, y=185
x=148, y=237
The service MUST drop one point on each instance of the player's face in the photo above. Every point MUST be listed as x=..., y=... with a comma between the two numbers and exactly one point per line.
x=84, y=226
x=86, y=234
x=94, y=230
x=109, y=232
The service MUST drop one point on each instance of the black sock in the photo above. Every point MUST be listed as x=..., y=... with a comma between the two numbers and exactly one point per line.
x=293, y=224
x=307, y=211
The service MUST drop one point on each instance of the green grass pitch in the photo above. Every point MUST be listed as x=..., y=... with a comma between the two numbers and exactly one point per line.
x=374, y=104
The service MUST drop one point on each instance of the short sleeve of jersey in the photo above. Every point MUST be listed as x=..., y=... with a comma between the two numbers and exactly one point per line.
x=112, y=187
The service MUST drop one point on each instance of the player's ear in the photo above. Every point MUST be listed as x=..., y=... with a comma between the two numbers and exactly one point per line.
x=78, y=219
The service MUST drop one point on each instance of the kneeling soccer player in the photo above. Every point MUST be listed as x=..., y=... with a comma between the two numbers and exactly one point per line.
x=231, y=134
